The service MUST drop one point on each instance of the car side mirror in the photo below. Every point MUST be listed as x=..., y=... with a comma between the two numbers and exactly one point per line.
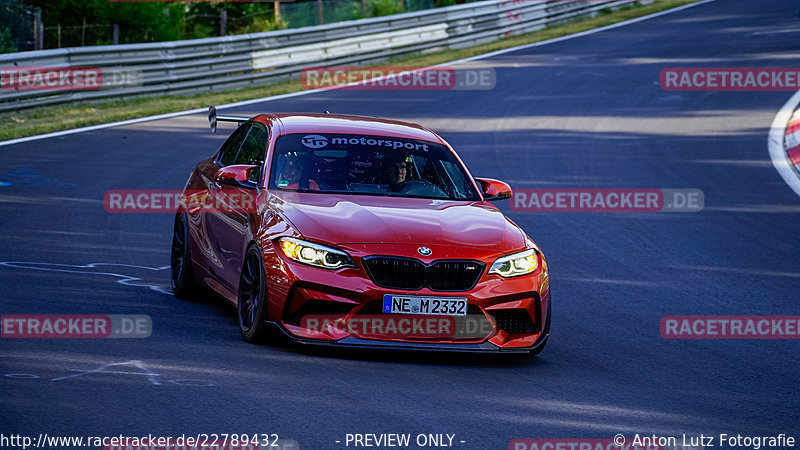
x=494, y=189
x=238, y=175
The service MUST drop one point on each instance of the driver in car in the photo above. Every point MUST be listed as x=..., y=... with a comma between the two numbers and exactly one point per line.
x=292, y=176
x=398, y=174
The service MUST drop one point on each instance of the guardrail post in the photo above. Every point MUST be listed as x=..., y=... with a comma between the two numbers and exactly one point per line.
x=115, y=35
x=223, y=21
x=38, y=30
x=320, y=18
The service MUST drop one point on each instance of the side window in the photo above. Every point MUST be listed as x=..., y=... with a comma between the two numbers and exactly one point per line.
x=254, y=149
x=227, y=154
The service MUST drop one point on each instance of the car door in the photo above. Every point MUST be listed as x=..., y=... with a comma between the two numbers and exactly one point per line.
x=208, y=219
x=231, y=227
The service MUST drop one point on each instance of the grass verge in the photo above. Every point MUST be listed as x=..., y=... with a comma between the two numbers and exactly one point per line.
x=48, y=119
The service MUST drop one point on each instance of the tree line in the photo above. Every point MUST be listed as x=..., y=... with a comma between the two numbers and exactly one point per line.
x=73, y=23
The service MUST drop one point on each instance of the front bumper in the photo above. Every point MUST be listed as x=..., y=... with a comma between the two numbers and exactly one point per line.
x=371, y=344
x=516, y=308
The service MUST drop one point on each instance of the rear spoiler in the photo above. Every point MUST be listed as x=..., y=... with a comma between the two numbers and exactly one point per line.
x=213, y=118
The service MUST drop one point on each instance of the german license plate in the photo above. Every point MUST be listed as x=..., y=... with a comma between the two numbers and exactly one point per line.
x=415, y=304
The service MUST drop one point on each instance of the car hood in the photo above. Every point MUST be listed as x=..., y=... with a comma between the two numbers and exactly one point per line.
x=360, y=219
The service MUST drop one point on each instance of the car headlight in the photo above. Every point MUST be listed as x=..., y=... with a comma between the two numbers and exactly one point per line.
x=314, y=254
x=515, y=265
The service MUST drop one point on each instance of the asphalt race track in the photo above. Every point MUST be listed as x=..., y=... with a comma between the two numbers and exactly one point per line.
x=581, y=113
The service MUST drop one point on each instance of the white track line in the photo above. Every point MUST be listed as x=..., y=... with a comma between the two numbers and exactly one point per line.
x=777, y=152
x=305, y=92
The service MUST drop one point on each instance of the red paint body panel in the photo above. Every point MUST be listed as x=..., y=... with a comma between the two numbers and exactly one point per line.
x=346, y=219
x=363, y=226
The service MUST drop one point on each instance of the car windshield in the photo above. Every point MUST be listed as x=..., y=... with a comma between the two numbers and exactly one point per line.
x=368, y=165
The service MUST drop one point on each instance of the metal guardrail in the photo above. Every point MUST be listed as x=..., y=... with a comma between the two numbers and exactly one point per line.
x=231, y=62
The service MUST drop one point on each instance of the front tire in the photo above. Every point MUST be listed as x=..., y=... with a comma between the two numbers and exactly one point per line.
x=184, y=284
x=252, y=297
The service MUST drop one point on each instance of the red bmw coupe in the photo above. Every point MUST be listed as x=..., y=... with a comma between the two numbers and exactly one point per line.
x=359, y=232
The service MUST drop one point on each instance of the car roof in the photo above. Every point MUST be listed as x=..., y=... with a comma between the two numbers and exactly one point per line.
x=349, y=124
